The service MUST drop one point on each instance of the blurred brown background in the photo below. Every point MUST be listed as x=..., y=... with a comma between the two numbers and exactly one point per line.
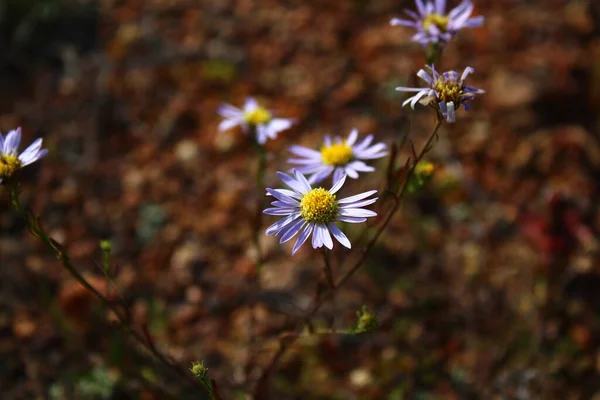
x=486, y=283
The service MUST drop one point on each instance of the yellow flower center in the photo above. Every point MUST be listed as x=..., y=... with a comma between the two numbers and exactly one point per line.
x=424, y=168
x=9, y=164
x=319, y=206
x=440, y=21
x=257, y=116
x=448, y=90
x=336, y=154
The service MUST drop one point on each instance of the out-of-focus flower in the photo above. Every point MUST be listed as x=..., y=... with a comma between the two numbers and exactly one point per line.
x=338, y=157
x=366, y=321
x=315, y=211
x=446, y=92
x=422, y=175
x=432, y=23
x=253, y=116
x=10, y=160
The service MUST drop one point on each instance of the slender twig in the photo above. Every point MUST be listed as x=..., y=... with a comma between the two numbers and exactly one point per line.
x=260, y=192
x=290, y=339
x=327, y=269
x=35, y=228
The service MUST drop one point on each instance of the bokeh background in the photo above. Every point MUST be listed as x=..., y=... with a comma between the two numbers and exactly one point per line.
x=486, y=284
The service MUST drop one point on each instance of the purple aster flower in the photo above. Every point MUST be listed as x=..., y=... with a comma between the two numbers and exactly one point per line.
x=446, y=92
x=10, y=160
x=338, y=157
x=253, y=115
x=315, y=211
x=432, y=23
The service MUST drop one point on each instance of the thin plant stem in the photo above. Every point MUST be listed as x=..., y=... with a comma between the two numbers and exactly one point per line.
x=261, y=156
x=290, y=339
x=35, y=228
x=327, y=269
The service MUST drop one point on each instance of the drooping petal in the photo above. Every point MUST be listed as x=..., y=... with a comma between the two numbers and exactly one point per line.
x=339, y=235
x=451, y=118
x=325, y=236
x=302, y=238
x=280, y=124
x=317, y=240
x=291, y=231
x=227, y=124
x=350, y=172
x=277, y=226
x=351, y=220
x=262, y=134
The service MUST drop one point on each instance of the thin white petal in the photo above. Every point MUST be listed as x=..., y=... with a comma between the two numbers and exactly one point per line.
x=339, y=235
x=291, y=182
x=338, y=185
x=356, y=212
x=352, y=137
x=230, y=123
x=352, y=220
x=229, y=111
x=250, y=104
x=305, y=152
x=326, y=237
x=302, y=238
x=357, y=197
x=302, y=180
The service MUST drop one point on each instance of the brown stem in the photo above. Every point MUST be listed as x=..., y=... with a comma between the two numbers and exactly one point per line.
x=38, y=231
x=291, y=339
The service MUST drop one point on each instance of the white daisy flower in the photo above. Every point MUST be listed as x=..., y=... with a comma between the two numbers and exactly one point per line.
x=253, y=116
x=315, y=211
x=340, y=157
x=10, y=160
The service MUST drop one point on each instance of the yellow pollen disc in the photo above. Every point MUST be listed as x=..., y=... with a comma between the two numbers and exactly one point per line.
x=336, y=154
x=319, y=206
x=9, y=164
x=448, y=90
x=440, y=21
x=257, y=116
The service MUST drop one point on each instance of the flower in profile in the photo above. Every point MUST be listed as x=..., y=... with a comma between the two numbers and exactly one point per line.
x=446, y=92
x=432, y=23
x=340, y=156
x=10, y=160
x=253, y=116
x=315, y=211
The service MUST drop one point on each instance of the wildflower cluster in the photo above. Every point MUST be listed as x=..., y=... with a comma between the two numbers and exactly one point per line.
x=446, y=91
